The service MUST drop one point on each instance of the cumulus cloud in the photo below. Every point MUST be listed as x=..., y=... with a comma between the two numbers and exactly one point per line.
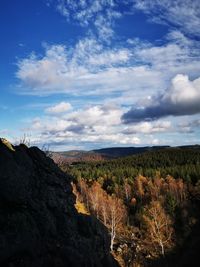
x=181, y=98
x=92, y=119
x=94, y=124
x=97, y=116
x=49, y=125
x=59, y=108
x=98, y=125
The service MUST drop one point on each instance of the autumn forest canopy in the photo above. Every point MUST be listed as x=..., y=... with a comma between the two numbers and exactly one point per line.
x=149, y=203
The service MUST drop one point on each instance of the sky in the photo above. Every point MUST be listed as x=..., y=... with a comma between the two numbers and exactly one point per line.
x=100, y=73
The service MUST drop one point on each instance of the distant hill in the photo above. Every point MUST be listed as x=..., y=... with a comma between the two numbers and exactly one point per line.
x=77, y=156
x=108, y=153
x=116, y=152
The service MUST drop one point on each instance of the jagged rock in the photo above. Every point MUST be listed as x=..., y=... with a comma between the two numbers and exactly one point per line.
x=39, y=225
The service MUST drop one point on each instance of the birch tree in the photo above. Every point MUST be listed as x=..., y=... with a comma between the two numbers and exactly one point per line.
x=159, y=226
x=116, y=216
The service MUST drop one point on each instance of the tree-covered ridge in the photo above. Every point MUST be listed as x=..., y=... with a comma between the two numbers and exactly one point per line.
x=179, y=162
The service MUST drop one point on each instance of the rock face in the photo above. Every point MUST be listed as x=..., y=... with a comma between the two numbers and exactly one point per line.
x=39, y=226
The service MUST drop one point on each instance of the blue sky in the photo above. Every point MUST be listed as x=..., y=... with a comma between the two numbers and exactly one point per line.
x=98, y=73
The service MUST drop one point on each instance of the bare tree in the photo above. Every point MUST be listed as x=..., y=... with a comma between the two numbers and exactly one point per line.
x=25, y=140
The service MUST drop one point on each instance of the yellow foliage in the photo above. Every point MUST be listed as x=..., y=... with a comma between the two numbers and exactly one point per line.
x=80, y=207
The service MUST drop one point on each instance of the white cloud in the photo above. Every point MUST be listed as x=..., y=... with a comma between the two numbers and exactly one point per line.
x=112, y=139
x=184, y=92
x=149, y=127
x=97, y=116
x=124, y=73
x=45, y=72
x=49, y=125
x=179, y=54
x=181, y=98
x=100, y=125
x=93, y=120
x=59, y=108
x=134, y=73
x=95, y=124
x=162, y=55
x=182, y=14
x=179, y=38
x=85, y=69
x=100, y=13
x=189, y=126
x=133, y=76
x=108, y=58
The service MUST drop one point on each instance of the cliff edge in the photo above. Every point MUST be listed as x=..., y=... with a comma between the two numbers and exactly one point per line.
x=39, y=226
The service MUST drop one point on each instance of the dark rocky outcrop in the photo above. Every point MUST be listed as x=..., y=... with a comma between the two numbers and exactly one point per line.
x=39, y=225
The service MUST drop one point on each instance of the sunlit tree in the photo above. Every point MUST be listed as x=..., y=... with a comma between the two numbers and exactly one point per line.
x=116, y=216
x=158, y=226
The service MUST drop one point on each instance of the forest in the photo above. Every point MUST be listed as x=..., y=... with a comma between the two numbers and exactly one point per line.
x=148, y=202
x=178, y=162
